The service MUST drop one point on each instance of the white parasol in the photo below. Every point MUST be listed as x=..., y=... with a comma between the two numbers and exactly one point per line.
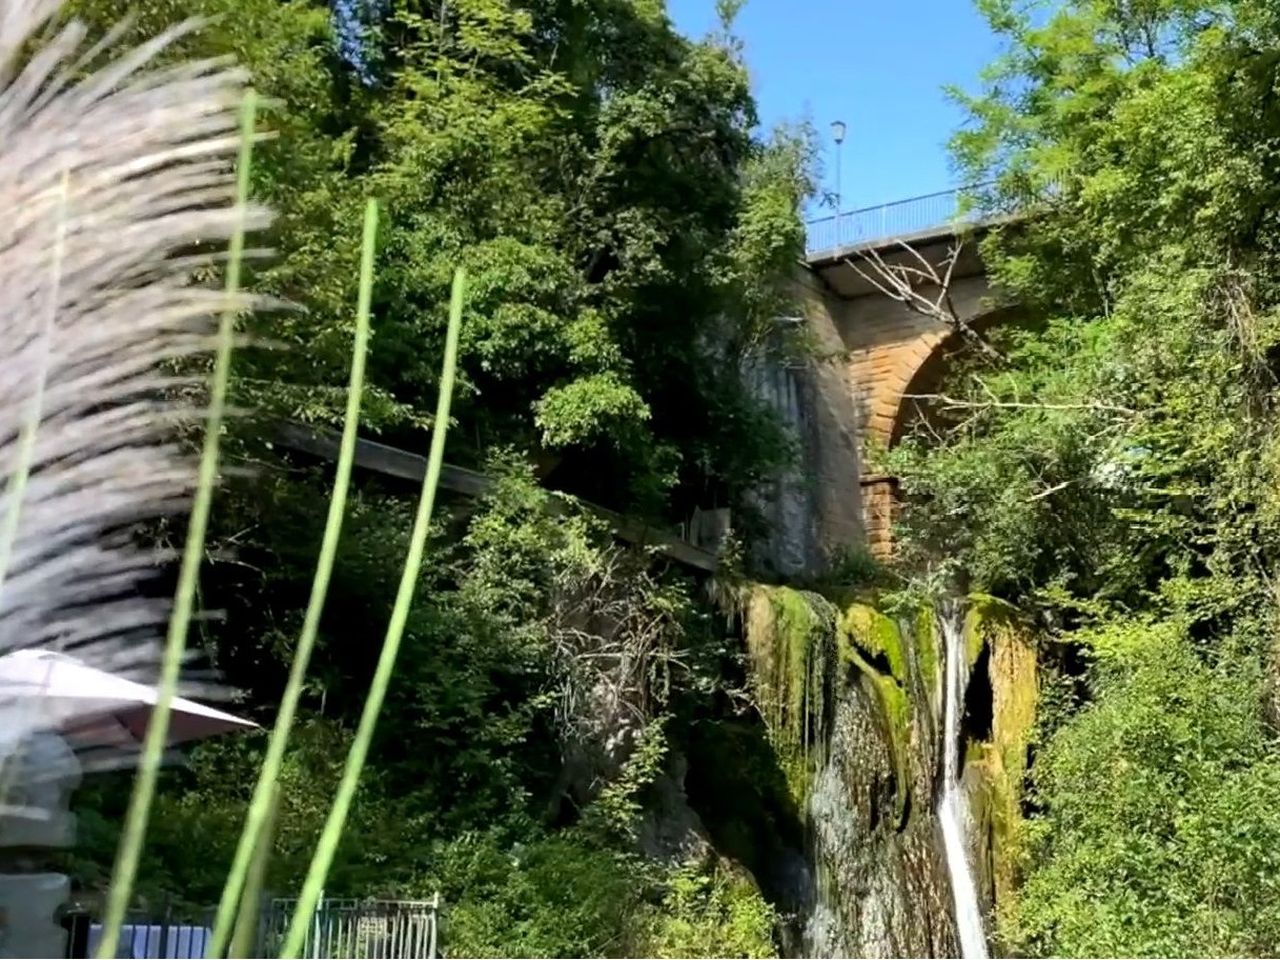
x=48, y=690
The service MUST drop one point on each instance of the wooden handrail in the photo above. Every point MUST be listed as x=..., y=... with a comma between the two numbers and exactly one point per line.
x=403, y=465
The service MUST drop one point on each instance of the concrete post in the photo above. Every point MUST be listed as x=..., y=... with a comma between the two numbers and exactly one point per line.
x=37, y=778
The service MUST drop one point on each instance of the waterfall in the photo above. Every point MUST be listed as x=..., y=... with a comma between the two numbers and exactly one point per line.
x=953, y=812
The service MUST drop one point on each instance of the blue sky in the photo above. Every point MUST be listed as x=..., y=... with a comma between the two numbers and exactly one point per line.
x=879, y=65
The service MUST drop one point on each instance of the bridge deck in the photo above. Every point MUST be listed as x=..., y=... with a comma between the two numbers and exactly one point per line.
x=914, y=220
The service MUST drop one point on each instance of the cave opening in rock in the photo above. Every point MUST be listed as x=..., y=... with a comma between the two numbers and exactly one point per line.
x=979, y=706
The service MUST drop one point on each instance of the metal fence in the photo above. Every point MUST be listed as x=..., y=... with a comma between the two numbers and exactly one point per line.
x=360, y=928
x=890, y=220
x=339, y=928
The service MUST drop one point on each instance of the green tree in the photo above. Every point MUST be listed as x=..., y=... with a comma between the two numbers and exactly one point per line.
x=1163, y=827
x=1117, y=471
x=627, y=236
x=596, y=174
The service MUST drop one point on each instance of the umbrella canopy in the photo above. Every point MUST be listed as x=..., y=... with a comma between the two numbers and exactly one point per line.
x=96, y=708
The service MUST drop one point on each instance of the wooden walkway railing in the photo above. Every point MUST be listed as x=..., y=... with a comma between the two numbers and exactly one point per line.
x=403, y=465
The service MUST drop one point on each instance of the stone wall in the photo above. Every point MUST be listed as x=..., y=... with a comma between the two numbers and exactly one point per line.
x=872, y=354
x=813, y=510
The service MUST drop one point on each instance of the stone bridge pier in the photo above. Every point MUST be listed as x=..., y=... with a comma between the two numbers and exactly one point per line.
x=873, y=353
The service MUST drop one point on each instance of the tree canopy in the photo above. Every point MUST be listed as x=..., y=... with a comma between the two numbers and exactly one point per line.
x=1117, y=472
x=629, y=236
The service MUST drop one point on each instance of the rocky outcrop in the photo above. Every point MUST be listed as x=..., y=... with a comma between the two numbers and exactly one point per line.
x=999, y=761
x=849, y=699
x=882, y=887
x=852, y=700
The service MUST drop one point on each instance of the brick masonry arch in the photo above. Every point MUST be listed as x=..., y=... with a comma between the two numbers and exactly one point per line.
x=894, y=351
x=894, y=378
x=871, y=352
x=928, y=375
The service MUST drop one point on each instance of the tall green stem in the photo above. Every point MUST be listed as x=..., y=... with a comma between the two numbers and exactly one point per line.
x=332, y=834
x=244, y=940
x=271, y=764
x=153, y=744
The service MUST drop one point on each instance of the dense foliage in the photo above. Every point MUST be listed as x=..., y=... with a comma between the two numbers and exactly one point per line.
x=1112, y=466
x=628, y=237
x=1162, y=825
x=595, y=172
x=1117, y=471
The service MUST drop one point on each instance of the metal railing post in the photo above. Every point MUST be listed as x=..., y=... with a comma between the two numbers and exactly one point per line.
x=434, y=922
x=315, y=928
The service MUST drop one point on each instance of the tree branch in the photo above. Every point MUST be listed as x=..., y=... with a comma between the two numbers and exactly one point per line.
x=902, y=282
x=1014, y=405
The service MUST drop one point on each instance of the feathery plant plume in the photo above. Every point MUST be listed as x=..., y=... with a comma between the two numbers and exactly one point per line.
x=106, y=180
x=327, y=846
x=31, y=421
x=110, y=180
x=255, y=833
x=102, y=181
x=144, y=786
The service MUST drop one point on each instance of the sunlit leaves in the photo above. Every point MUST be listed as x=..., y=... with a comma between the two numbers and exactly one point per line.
x=1120, y=472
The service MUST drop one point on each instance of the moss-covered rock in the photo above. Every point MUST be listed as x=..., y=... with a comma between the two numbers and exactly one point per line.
x=1002, y=762
x=895, y=714
x=863, y=792
x=876, y=635
x=985, y=617
x=927, y=644
x=882, y=881
x=790, y=638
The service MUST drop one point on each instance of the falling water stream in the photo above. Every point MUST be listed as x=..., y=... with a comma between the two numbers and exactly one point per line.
x=953, y=811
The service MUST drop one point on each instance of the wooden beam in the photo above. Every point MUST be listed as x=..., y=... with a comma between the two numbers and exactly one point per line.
x=380, y=458
x=403, y=465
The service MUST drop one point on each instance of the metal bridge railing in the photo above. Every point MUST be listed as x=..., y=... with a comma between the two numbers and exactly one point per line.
x=890, y=220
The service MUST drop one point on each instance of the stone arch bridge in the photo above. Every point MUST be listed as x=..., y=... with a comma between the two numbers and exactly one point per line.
x=874, y=352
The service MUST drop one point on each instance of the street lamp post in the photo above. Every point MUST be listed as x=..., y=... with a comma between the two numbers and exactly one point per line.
x=837, y=134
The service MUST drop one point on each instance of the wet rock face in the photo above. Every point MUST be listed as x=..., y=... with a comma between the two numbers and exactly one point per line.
x=670, y=830
x=882, y=888
x=852, y=701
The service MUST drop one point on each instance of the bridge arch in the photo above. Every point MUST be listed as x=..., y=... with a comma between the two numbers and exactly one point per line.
x=877, y=351
x=928, y=375
x=888, y=371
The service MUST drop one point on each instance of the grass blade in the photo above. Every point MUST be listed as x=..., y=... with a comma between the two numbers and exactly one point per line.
x=332, y=834
x=259, y=805
x=244, y=941
x=135, y=827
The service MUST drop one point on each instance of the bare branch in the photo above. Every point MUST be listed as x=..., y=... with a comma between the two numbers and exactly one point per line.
x=1014, y=405
x=953, y=257
x=928, y=267
x=891, y=294
x=903, y=283
x=1050, y=491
